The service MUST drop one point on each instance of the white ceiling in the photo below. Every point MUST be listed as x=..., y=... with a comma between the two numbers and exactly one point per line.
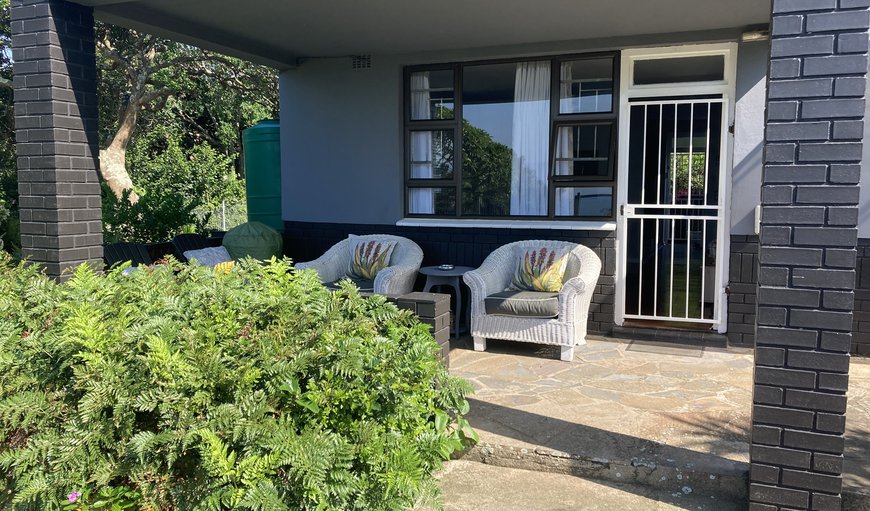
x=279, y=31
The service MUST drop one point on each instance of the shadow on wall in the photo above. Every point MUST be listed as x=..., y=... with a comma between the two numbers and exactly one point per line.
x=746, y=190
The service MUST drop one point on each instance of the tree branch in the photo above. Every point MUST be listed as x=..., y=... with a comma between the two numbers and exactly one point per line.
x=148, y=97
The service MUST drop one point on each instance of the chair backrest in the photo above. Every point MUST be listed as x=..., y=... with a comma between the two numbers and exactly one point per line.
x=117, y=253
x=184, y=242
x=581, y=255
x=406, y=252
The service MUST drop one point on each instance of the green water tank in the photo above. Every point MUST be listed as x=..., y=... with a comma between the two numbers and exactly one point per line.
x=262, y=149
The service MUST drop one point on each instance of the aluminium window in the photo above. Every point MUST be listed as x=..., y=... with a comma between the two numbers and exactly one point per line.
x=512, y=138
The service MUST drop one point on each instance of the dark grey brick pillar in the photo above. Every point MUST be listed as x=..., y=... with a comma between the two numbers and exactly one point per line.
x=807, y=252
x=56, y=133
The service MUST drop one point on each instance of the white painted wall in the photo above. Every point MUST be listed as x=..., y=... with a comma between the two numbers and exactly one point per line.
x=864, y=199
x=341, y=129
x=752, y=63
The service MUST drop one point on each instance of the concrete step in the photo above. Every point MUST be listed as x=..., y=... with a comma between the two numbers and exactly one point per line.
x=471, y=486
x=720, y=481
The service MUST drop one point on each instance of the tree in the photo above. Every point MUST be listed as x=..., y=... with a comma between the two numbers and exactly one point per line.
x=139, y=73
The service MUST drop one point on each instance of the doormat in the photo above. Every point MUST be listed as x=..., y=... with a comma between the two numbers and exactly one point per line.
x=667, y=348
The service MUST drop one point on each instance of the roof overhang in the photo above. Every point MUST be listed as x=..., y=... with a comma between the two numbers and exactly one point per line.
x=278, y=32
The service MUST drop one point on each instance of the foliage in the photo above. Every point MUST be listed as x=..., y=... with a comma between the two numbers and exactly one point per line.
x=160, y=163
x=223, y=217
x=117, y=498
x=157, y=216
x=680, y=162
x=486, y=173
x=204, y=96
x=252, y=388
x=10, y=230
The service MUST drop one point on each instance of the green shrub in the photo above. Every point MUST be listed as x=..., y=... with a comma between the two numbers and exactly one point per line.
x=157, y=216
x=159, y=162
x=10, y=228
x=187, y=388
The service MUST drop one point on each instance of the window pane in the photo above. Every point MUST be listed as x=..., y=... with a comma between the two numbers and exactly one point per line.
x=506, y=132
x=583, y=151
x=586, y=86
x=432, y=201
x=709, y=68
x=585, y=202
x=431, y=154
x=431, y=95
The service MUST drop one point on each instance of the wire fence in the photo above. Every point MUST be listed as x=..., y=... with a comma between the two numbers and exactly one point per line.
x=225, y=216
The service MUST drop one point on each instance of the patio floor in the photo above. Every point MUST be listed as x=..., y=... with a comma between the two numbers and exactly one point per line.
x=668, y=416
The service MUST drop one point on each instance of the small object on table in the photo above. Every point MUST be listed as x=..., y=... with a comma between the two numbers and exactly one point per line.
x=444, y=276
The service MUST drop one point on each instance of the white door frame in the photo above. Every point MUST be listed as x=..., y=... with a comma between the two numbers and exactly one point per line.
x=727, y=89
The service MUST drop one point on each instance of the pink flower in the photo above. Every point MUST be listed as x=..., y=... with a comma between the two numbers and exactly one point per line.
x=74, y=496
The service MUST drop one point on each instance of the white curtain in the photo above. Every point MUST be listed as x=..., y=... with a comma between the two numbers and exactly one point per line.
x=565, y=148
x=421, y=200
x=531, y=137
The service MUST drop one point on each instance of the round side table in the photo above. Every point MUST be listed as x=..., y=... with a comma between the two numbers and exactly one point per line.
x=435, y=276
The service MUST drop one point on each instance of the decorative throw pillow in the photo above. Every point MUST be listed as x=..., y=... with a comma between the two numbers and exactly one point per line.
x=224, y=267
x=540, y=269
x=210, y=256
x=368, y=256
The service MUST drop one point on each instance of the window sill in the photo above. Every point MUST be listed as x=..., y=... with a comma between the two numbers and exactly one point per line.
x=566, y=225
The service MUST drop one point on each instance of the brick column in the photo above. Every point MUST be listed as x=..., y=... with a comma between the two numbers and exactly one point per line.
x=56, y=133
x=807, y=252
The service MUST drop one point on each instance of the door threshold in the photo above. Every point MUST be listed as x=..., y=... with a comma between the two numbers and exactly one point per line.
x=670, y=332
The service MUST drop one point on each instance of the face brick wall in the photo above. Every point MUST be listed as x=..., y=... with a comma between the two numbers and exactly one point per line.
x=807, y=252
x=304, y=241
x=56, y=133
x=742, y=286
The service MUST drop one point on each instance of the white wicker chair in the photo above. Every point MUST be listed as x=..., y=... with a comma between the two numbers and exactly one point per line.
x=566, y=330
x=396, y=279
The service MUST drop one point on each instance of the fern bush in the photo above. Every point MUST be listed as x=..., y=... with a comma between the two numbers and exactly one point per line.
x=184, y=388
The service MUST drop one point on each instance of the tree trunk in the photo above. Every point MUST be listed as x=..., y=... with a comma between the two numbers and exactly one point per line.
x=113, y=159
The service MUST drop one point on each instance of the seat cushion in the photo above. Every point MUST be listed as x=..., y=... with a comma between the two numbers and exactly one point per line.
x=529, y=304
x=362, y=284
x=210, y=256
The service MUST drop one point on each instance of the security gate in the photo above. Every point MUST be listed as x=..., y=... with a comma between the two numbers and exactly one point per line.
x=671, y=219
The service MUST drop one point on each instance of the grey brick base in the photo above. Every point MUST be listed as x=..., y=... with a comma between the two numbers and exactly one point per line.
x=304, y=241
x=742, y=297
x=56, y=133
x=743, y=280
x=807, y=253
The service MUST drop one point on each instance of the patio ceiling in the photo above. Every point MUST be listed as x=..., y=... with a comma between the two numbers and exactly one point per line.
x=278, y=32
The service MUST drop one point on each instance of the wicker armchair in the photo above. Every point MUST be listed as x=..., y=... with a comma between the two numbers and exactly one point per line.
x=396, y=279
x=566, y=329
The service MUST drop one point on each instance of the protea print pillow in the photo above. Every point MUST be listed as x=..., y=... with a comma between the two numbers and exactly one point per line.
x=540, y=269
x=368, y=257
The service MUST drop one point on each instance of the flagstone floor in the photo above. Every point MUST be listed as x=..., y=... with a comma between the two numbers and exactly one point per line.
x=641, y=401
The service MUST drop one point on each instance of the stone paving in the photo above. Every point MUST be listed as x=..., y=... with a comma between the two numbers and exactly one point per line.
x=655, y=413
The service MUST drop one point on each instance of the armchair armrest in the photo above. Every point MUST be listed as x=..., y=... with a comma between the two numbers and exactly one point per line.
x=576, y=293
x=493, y=276
x=332, y=265
x=396, y=280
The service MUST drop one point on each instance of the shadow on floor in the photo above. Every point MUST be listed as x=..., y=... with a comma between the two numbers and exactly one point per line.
x=682, y=468
x=856, y=467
